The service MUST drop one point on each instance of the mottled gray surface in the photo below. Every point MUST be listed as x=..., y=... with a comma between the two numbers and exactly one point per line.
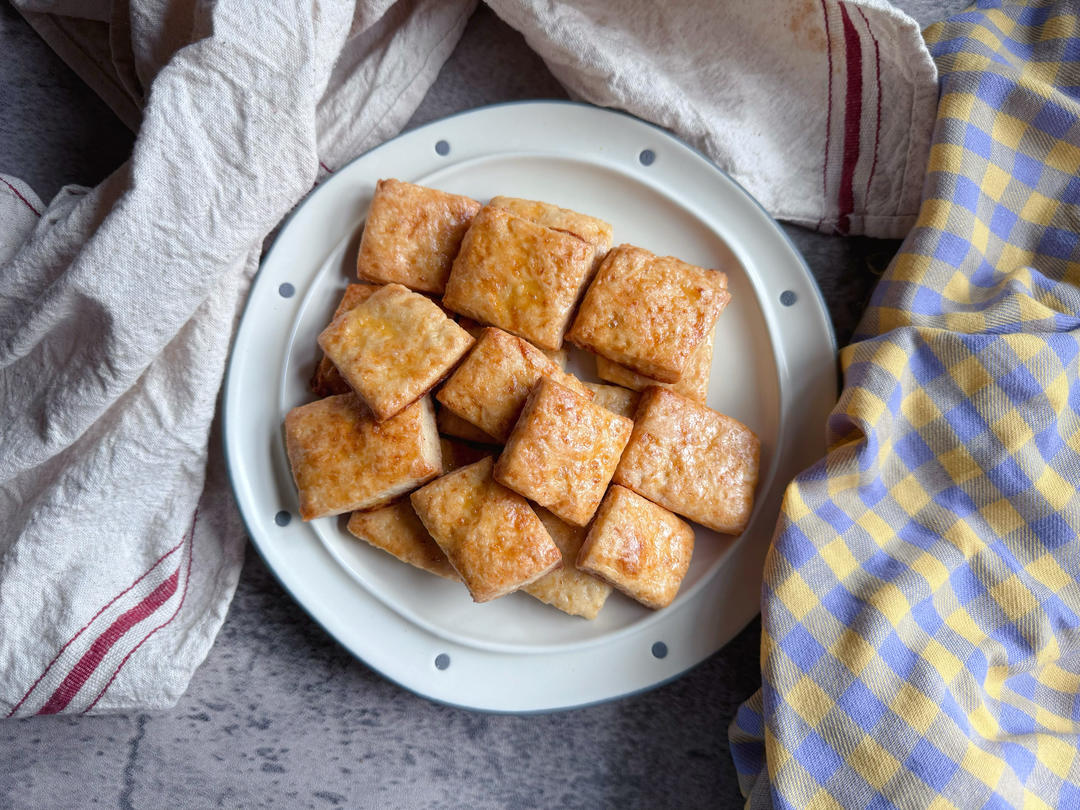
x=279, y=715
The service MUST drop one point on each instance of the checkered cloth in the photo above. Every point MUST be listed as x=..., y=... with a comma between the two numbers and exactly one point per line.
x=921, y=606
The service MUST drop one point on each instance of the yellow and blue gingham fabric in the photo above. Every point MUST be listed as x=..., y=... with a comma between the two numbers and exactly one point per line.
x=921, y=606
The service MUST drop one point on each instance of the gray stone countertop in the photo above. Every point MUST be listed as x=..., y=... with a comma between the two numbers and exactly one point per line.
x=280, y=715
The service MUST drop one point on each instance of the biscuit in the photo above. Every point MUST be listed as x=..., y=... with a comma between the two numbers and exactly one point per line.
x=489, y=388
x=568, y=589
x=692, y=460
x=563, y=451
x=393, y=348
x=326, y=381
x=342, y=459
x=615, y=399
x=519, y=276
x=489, y=534
x=450, y=424
x=640, y=548
x=594, y=231
x=412, y=235
x=694, y=382
x=649, y=313
x=397, y=530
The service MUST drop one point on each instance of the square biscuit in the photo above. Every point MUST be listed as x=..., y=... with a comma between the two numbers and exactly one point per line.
x=692, y=460
x=563, y=451
x=615, y=398
x=393, y=348
x=694, y=382
x=398, y=531
x=519, y=276
x=568, y=589
x=491, y=535
x=649, y=313
x=640, y=548
x=327, y=381
x=450, y=424
x=412, y=235
x=491, y=384
x=342, y=459
x=595, y=231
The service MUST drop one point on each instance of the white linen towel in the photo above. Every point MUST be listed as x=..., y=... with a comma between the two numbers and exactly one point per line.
x=119, y=543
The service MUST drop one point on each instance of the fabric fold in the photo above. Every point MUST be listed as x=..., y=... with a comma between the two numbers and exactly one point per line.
x=120, y=546
x=921, y=604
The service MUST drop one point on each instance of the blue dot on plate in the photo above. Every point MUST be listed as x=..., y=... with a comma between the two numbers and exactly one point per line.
x=442, y=148
x=647, y=157
x=659, y=650
x=788, y=297
x=286, y=290
x=282, y=518
x=442, y=661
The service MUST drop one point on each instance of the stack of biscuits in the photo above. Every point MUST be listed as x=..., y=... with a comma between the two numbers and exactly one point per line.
x=526, y=478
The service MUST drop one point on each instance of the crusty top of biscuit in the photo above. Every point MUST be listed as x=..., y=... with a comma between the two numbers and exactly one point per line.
x=640, y=548
x=594, y=231
x=649, y=313
x=491, y=384
x=394, y=347
x=412, y=234
x=343, y=459
x=518, y=275
x=491, y=535
x=692, y=460
x=563, y=451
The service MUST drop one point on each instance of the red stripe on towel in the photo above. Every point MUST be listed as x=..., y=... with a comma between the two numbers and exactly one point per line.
x=15, y=191
x=852, y=121
x=79, y=674
x=131, y=652
x=105, y=607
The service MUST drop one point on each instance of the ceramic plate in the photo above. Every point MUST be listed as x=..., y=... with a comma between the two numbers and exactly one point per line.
x=773, y=368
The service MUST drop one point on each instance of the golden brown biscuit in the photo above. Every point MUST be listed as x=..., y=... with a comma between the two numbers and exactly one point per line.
x=519, y=276
x=692, y=460
x=640, y=548
x=327, y=381
x=342, y=459
x=412, y=235
x=649, y=313
x=694, y=382
x=563, y=451
x=450, y=424
x=491, y=384
x=491, y=535
x=615, y=399
x=594, y=231
x=393, y=348
x=568, y=589
x=397, y=530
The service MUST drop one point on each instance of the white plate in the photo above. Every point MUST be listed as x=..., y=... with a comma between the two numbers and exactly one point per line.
x=774, y=369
